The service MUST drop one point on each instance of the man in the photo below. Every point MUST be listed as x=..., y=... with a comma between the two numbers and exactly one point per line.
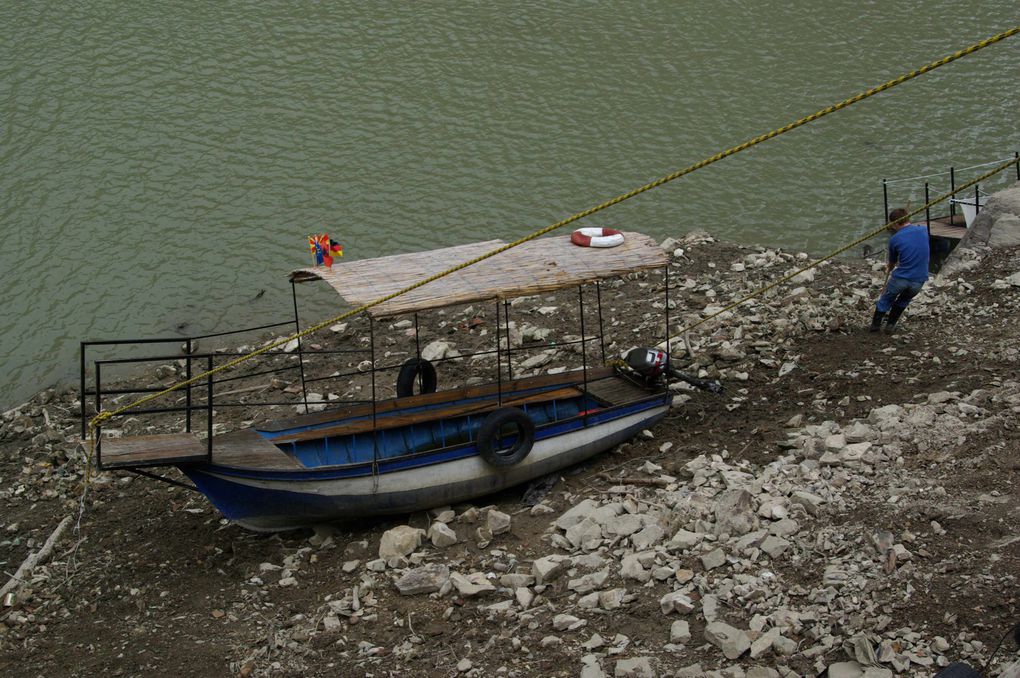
x=906, y=270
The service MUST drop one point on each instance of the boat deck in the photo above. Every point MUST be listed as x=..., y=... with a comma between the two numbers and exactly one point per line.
x=248, y=449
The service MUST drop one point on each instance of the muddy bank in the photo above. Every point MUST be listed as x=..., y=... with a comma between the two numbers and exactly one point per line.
x=847, y=505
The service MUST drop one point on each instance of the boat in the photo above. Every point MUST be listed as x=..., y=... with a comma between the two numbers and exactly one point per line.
x=419, y=449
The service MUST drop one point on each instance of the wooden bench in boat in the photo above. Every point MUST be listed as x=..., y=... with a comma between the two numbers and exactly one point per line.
x=391, y=404
x=431, y=414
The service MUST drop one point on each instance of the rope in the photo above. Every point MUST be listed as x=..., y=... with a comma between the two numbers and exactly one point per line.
x=943, y=174
x=97, y=420
x=868, y=236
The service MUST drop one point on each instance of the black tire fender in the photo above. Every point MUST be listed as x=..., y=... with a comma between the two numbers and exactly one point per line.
x=489, y=434
x=408, y=377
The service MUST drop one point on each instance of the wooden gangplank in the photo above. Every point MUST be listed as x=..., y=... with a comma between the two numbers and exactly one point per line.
x=943, y=228
x=152, y=450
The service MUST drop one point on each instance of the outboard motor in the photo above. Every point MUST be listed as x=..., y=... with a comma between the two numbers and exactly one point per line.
x=653, y=366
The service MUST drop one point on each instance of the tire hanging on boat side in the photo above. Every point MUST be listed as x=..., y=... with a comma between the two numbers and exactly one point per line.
x=489, y=434
x=408, y=376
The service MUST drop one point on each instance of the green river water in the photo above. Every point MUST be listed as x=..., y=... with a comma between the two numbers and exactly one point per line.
x=163, y=162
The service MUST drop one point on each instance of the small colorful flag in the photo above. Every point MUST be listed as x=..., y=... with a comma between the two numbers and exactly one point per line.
x=323, y=249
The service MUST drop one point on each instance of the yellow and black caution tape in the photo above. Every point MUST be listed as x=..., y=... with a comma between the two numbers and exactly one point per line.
x=867, y=236
x=97, y=420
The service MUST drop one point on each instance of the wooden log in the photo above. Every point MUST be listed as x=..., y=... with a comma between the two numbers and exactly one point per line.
x=35, y=559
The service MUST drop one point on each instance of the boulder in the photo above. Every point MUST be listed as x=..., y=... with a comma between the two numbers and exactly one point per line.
x=399, y=542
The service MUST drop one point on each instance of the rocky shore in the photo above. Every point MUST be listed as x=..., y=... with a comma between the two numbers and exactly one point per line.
x=848, y=505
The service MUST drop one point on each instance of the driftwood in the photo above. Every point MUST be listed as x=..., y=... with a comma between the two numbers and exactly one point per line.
x=35, y=559
x=648, y=482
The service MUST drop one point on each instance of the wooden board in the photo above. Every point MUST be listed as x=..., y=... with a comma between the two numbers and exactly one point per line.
x=152, y=450
x=619, y=391
x=534, y=267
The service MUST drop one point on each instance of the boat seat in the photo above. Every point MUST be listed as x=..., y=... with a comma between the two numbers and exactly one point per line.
x=152, y=450
x=431, y=414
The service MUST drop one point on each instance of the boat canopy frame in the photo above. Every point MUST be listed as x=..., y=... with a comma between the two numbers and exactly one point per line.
x=539, y=266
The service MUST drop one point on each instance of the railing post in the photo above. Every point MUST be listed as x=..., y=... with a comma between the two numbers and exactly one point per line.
x=952, y=190
x=927, y=210
x=209, y=405
x=417, y=355
x=99, y=408
x=885, y=201
x=81, y=399
x=187, y=377
x=1016, y=154
x=977, y=200
x=301, y=357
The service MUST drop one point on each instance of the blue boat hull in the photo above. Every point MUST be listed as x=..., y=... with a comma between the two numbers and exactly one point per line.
x=280, y=500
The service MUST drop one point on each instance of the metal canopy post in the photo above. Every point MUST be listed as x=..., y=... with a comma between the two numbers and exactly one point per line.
x=417, y=355
x=499, y=366
x=375, y=436
x=602, y=329
x=667, y=313
x=584, y=352
x=509, y=342
x=301, y=358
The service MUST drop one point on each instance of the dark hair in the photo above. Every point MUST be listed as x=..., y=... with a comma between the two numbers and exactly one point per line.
x=898, y=216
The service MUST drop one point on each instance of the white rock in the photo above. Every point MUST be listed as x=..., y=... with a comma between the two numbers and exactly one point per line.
x=680, y=632
x=498, y=522
x=713, y=559
x=685, y=540
x=471, y=585
x=548, y=569
x=576, y=514
x=732, y=641
x=426, y=579
x=845, y=670
x=436, y=350
x=636, y=667
x=676, y=601
x=400, y=541
x=442, y=535
x=567, y=622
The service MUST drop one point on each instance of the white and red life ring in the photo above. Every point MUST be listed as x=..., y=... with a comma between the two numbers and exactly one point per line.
x=596, y=237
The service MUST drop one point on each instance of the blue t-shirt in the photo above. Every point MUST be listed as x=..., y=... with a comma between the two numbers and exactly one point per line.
x=908, y=249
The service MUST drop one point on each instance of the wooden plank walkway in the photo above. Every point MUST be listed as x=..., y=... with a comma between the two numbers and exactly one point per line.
x=154, y=450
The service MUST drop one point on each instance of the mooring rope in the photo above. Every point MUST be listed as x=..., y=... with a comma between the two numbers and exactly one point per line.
x=104, y=415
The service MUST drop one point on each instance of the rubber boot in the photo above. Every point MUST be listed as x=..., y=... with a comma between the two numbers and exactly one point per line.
x=876, y=321
x=894, y=314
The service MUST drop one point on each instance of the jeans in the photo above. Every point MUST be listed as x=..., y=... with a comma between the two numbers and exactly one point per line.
x=898, y=293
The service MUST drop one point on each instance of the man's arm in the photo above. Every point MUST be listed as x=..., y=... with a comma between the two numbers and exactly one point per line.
x=892, y=259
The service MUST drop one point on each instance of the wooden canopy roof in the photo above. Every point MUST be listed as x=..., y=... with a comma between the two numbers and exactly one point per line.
x=537, y=266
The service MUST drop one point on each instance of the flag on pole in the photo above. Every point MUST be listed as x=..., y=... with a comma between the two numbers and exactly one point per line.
x=324, y=249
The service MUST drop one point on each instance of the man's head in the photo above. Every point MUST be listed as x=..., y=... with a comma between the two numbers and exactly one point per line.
x=897, y=219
